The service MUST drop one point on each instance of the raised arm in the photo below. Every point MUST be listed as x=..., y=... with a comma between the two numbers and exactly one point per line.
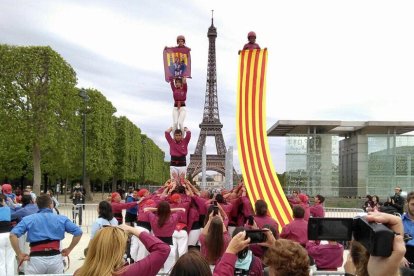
x=158, y=253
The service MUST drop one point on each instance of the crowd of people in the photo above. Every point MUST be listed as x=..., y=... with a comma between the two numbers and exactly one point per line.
x=177, y=225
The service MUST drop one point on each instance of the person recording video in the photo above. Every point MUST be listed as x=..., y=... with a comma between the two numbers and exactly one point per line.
x=77, y=200
x=395, y=203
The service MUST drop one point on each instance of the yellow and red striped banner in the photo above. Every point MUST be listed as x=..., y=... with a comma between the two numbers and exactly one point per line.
x=258, y=172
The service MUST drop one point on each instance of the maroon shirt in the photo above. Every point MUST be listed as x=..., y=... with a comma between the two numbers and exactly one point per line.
x=185, y=205
x=296, y=231
x=117, y=207
x=179, y=94
x=317, y=211
x=326, y=256
x=193, y=216
x=143, y=216
x=178, y=149
x=227, y=207
x=201, y=202
x=225, y=267
x=261, y=221
x=247, y=207
x=168, y=228
x=150, y=265
x=294, y=200
x=251, y=46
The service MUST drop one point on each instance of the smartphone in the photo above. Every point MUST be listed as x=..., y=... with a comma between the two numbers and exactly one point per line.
x=256, y=235
x=215, y=210
x=250, y=220
x=330, y=229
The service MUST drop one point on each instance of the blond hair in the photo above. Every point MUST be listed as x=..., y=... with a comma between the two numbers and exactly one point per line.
x=105, y=255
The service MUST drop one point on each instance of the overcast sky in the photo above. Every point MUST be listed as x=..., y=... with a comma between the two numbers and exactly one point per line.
x=328, y=60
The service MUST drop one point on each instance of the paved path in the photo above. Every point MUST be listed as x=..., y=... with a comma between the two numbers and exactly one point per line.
x=76, y=256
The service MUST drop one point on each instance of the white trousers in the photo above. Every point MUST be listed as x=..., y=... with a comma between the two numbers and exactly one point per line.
x=24, y=247
x=7, y=255
x=179, y=117
x=180, y=241
x=45, y=265
x=169, y=263
x=193, y=237
x=138, y=250
x=178, y=174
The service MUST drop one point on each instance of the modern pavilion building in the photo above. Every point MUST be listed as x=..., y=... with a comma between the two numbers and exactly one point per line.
x=347, y=158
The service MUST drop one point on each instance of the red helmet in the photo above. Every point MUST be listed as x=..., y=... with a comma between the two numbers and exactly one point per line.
x=251, y=34
x=180, y=37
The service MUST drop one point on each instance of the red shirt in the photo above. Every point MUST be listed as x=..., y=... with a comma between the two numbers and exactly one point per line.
x=168, y=228
x=296, y=231
x=178, y=149
x=261, y=221
x=150, y=265
x=326, y=255
x=227, y=207
x=225, y=267
x=117, y=207
x=317, y=211
x=193, y=216
x=251, y=46
x=179, y=94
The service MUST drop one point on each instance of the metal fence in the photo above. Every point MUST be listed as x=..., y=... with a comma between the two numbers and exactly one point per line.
x=82, y=214
x=86, y=214
x=343, y=212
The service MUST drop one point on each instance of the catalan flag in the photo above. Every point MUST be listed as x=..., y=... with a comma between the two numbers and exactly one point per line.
x=258, y=172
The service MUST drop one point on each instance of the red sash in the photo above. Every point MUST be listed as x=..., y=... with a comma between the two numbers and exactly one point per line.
x=47, y=246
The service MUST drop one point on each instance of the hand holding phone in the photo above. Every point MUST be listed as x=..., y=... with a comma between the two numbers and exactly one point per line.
x=257, y=235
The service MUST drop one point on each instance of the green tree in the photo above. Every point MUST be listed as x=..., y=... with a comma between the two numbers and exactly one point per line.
x=100, y=139
x=33, y=82
x=128, y=152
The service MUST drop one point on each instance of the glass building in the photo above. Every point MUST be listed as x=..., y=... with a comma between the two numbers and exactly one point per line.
x=344, y=158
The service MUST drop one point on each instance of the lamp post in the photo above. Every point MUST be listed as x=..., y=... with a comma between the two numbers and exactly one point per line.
x=85, y=98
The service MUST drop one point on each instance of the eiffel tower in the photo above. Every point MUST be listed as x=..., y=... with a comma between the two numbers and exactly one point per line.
x=211, y=125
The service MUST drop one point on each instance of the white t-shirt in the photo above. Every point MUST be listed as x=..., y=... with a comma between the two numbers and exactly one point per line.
x=99, y=223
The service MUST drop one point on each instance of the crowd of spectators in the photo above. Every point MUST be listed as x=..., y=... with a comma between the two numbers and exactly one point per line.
x=181, y=230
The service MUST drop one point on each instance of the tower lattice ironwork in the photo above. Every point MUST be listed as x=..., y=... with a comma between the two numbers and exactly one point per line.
x=211, y=125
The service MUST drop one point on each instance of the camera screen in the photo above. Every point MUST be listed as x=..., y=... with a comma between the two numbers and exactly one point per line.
x=256, y=236
x=215, y=210
x=331, y=229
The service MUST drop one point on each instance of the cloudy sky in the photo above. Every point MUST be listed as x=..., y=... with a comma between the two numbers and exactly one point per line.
x=328, y=60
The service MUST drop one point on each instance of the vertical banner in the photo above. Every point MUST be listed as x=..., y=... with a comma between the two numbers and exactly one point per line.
x=258, y=172
x=177, y=62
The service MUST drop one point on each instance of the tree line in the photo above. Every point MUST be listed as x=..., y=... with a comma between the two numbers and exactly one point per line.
x=41, y=114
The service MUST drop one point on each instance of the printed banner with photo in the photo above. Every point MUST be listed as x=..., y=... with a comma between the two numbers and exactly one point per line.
x=177, y=63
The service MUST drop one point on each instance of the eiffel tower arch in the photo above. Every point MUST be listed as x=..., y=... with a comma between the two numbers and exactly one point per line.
x=210, y=125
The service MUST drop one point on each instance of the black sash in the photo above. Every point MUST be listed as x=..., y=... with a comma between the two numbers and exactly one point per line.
x=167, y=240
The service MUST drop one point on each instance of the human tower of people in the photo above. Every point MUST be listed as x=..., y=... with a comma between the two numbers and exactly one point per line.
x=179, y=229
